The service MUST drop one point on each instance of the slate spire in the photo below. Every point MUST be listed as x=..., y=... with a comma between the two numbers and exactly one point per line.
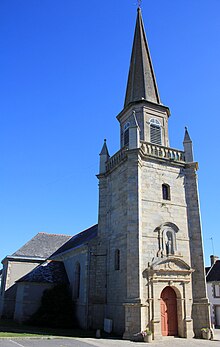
x=141, y=79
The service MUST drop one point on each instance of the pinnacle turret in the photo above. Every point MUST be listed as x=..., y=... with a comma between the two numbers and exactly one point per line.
x=104, y=150
x=186, y=136
x=104, y=156
x=188, y=147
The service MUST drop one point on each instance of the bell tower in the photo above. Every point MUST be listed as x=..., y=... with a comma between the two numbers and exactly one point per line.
x=149, y=219
x=142, y=95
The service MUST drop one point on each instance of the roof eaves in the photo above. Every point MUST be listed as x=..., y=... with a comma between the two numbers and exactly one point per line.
x=23, y=258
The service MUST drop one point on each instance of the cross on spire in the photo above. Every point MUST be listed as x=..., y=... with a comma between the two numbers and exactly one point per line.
x=139, y=3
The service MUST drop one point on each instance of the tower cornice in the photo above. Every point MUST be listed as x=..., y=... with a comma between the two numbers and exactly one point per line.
x=143, y=103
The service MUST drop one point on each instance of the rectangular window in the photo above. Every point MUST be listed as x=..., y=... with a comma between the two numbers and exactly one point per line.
x=117, y=259
x=217, y=290
x=166, y=191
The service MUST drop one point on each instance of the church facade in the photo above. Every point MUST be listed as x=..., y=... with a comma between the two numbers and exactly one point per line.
x=142, y=265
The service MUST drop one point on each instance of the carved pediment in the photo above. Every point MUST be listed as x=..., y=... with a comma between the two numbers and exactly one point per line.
x=169, y=264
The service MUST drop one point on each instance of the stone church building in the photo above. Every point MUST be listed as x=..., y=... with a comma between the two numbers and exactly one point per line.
x=142, y=264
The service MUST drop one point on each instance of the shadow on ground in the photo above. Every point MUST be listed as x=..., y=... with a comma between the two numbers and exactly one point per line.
x=8, y=326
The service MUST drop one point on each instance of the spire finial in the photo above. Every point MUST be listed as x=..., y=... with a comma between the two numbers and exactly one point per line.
x=139, y=3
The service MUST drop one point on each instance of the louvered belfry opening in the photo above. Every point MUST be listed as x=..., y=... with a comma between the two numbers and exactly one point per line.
x=155, y=132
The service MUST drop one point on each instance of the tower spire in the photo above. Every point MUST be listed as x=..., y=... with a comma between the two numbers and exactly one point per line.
x=141, y=79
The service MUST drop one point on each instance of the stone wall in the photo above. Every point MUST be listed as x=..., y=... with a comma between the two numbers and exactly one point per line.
x=200, y=312
x=78, y=257
x=156, y=211
x=12, y=271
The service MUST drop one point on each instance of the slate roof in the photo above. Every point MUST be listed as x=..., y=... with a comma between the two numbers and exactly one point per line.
x=214, y=273
x=78, y=240
x=49, y=272
x=42, y=245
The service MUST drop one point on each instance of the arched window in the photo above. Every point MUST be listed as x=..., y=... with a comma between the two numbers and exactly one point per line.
x=166, y=191
x=126, y=134
x=155, y=132
x=77, y=280
x=117, y=259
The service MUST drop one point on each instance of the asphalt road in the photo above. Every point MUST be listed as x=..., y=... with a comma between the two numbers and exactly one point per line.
x=89, y=342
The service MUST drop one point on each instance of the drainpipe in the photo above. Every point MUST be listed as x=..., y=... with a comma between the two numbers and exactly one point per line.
x=88, y=287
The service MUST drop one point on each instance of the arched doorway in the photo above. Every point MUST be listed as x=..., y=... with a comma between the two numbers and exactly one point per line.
x=168, y=308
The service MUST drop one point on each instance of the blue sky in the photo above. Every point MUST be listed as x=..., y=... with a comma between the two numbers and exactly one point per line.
x=63, y=74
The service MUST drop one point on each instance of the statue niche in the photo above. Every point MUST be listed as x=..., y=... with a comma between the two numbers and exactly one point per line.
x=167, y=239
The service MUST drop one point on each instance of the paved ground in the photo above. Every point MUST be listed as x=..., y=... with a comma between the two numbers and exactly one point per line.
x=88, y=342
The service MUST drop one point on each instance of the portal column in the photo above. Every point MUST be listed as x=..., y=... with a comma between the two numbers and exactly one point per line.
x=156, y=312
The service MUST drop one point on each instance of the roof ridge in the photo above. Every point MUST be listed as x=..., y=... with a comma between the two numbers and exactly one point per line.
x=45, y=233
x=83, y=231
x=86, y=229
x=210, y=268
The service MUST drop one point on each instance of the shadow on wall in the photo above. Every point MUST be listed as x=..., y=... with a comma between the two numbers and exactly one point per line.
x=56, y=309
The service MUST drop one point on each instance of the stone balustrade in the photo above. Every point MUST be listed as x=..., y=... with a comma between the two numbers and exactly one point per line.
x=162, y=152
x=148, y=149
x=116, y=159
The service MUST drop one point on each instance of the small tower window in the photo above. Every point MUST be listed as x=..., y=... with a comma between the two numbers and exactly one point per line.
x=126, y=134
x=166, y=191
x=117, y=259
x=155, y=132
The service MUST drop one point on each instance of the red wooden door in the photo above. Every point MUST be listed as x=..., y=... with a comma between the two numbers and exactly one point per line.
x=168, y=307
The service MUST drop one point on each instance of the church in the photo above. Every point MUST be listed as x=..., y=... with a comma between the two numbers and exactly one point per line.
x=142, y=265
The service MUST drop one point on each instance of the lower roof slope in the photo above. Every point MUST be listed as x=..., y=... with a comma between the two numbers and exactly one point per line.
x=49, y=272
